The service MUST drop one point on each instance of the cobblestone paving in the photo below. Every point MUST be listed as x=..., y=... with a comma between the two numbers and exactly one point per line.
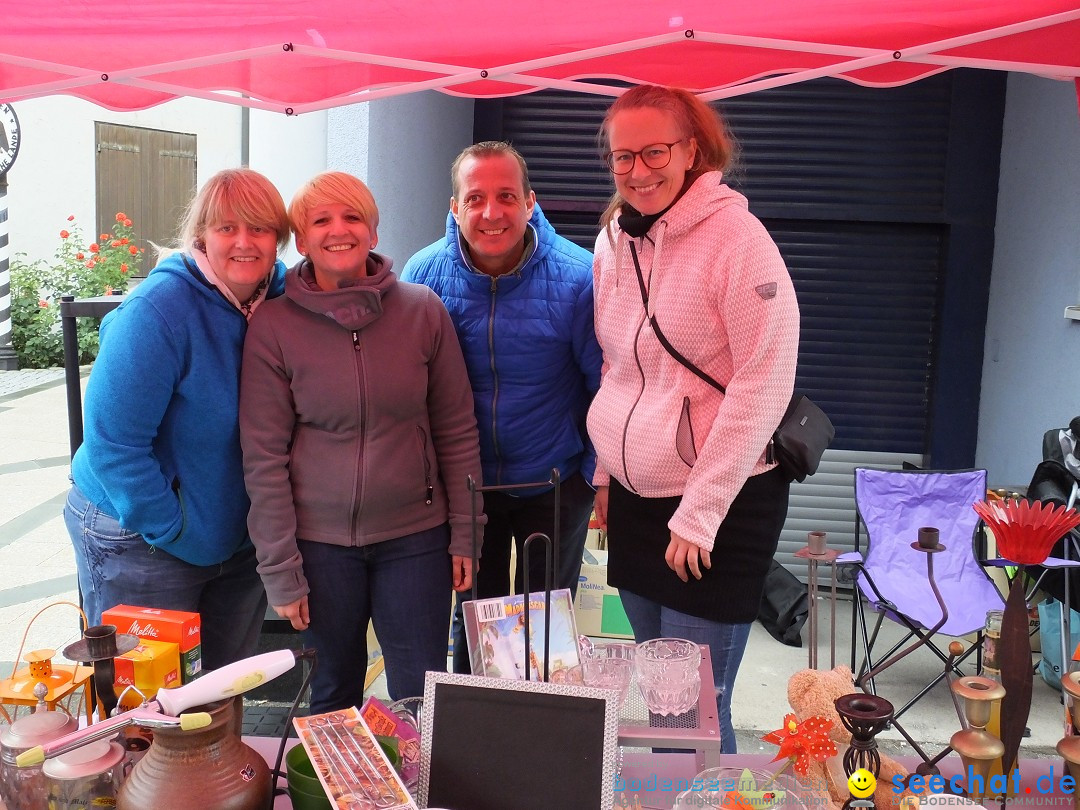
x=13, y=382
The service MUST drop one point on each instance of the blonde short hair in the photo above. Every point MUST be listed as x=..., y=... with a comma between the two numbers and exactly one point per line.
x=240, y=194
x=329, y=188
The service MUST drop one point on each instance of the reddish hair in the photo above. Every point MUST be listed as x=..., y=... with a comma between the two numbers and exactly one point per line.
x=695, y=119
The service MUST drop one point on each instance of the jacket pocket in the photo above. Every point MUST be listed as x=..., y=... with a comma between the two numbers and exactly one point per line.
x=684, y=436
x=429, y=487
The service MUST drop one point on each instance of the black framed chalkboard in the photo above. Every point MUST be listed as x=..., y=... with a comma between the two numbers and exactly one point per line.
x=493, y=744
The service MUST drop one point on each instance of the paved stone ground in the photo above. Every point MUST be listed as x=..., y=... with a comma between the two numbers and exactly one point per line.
x=14, y=382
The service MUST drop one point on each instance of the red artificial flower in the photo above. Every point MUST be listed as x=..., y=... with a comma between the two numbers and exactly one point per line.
x=120, y=217
x=80, y=256
x=114, y=243
x=71, y=218
x=43, y=303
x=133, y=250
x=94, y=247
x=1026, y=531
x=124, y=241
x=90, y=264
x=104, y=237
x=123, y=268
x=64, y=234
x=127, y=223
x=801, y=742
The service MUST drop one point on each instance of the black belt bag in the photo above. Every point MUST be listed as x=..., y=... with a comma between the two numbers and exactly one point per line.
x=804, y=432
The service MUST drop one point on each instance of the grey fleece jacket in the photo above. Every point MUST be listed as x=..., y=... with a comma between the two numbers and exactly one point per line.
x=356, y=420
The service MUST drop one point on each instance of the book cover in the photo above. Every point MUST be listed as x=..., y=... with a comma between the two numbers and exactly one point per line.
x=495, y=632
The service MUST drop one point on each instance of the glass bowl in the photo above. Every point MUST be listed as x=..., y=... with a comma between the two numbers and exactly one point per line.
x=667, y=674
x=756, y=789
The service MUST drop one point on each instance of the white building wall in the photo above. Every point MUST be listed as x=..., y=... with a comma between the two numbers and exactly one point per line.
x=402, y=148
x=1030, y=380
x=54, y=175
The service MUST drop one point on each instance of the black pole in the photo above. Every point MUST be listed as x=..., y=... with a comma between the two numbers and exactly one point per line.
x=70, y=332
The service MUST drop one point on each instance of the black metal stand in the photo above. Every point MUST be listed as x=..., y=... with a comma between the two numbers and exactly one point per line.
x=71, y=309
x=551, y=559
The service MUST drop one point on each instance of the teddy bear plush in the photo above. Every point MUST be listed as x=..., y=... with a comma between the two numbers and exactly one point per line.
x=812, y=693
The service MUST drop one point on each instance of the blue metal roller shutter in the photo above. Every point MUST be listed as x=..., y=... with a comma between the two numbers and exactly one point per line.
x=876, y=198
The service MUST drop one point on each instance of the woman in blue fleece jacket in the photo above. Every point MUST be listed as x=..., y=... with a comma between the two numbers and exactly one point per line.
x=157, y=511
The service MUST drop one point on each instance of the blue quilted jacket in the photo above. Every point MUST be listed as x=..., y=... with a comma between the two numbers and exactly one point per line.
x=531, y=352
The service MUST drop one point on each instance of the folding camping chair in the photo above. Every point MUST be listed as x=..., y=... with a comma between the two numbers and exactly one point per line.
x=893, y=577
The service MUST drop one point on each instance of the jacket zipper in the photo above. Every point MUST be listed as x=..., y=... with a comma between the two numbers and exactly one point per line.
x=494, y=381
x=637, y=400
x=358, y=479
x=630, y=415
x=421, y=437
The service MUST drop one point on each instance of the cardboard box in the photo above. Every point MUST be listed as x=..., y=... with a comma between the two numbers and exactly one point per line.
x=598, y=608
x=176, y=626
x=151, y=666
x=595, y=538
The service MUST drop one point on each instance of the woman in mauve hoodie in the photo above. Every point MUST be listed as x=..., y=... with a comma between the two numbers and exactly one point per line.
x=359, y=436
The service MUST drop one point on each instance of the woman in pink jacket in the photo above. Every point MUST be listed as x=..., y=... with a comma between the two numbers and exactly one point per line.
x=692, y=501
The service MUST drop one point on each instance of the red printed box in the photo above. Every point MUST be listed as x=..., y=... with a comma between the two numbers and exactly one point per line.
x=175, y=626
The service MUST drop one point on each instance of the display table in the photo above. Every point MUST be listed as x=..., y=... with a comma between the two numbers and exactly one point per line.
x=654, y=780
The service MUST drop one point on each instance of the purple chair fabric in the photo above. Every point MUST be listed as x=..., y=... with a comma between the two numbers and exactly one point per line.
x=893, y=505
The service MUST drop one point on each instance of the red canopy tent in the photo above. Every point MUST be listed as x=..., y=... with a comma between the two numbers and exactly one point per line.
x=295, y=56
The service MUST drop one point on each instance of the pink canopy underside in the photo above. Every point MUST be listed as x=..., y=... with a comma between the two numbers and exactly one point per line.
x=294, y=56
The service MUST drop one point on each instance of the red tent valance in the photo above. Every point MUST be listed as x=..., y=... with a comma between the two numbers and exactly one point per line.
x=301, y=55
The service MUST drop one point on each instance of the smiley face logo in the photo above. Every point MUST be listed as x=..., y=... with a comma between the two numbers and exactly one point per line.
x=861, y=783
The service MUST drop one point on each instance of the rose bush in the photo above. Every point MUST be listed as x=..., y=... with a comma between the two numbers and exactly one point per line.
x=83, y=270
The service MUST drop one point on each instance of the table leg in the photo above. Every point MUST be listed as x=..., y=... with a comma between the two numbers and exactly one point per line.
x=813, y=568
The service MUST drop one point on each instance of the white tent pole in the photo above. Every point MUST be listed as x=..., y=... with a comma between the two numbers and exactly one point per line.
x=378, y=59
x=1057, y=71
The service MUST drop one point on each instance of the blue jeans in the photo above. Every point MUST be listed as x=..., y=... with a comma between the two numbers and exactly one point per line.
x=117, y=566
x=727, y=642
x=403, y=587
x=514, y=519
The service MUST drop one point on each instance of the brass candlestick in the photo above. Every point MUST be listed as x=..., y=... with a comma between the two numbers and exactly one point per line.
x=977, y=747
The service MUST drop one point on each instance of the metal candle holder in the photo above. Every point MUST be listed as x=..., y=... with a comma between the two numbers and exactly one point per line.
x=864, y=716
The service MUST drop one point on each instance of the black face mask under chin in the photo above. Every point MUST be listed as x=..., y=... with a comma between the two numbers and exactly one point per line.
x=636, y=224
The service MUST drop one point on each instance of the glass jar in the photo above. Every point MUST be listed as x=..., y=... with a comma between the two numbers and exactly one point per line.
x=24, y=788
x=89, y=776
x=991, y=638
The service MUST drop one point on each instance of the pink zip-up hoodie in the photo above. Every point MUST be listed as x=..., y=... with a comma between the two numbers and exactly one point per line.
x=722, y=296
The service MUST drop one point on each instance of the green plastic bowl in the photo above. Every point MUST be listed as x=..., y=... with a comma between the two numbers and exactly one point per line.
x=305, y=789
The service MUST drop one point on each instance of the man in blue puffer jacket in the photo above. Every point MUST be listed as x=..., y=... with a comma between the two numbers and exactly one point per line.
x=521, y=300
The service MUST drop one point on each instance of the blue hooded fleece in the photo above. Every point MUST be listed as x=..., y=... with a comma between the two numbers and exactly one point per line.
x=162, y=441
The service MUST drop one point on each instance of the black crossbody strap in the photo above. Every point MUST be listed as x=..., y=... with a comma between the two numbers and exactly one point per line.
x=660, y=335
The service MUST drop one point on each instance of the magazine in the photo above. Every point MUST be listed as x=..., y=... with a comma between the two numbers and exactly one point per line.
x=350, y=763
x=384, y=723
x=495, y=631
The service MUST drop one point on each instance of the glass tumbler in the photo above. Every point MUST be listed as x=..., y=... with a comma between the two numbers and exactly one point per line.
x=613, y=649
x=608, y=673
x=667, y=673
